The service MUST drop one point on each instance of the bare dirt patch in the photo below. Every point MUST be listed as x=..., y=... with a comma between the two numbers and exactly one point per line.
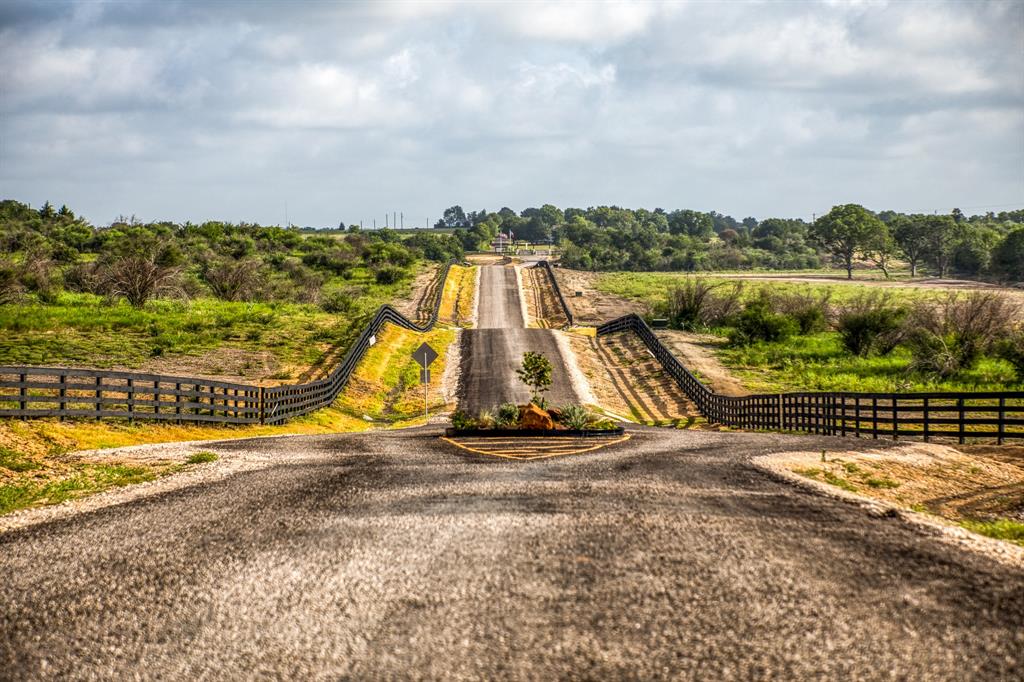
x=967, y=485
x=420, y=305
x=542, y=304
x=592, y=307
x=626, y=380
x=697, y=353
x=945, y=284
x=223, y=364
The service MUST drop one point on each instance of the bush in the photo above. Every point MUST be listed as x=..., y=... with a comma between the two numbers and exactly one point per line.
x=758, y=323
x=485, y=420
x=693, y=304
x=870, y=325
x=337, y=302
x=11, y=288
x=951, y=336
x=809, y=311
x=390, y=274
x=462, y=420
x=1011, y=349
x=507, y=415
x=575, y=417
x=235, y=280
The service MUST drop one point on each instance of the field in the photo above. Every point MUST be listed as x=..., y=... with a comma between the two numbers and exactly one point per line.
x=38, y=460
x=818, y=361
x=203, y=337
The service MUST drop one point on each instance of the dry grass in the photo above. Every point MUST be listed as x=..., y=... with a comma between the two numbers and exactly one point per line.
x=457, y=300
x=977, y=487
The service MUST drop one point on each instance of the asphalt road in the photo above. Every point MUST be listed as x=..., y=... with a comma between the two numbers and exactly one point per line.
x=393, y=555
x=493, y=351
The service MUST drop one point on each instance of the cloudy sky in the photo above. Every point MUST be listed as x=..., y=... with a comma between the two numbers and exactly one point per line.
x=187, y=110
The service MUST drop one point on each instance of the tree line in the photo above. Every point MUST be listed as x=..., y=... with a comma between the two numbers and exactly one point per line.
x=46, y=251
x=848, y=236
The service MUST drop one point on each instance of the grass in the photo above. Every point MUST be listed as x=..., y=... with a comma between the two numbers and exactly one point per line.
x=85, y=330
x=651, y=287
x=1001, y=529
x=202, y=458
x=87, y=479
x=818, y=362
x=457, y=298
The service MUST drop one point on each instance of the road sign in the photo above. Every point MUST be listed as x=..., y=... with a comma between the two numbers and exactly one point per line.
x=424, y=376
x=424, y=355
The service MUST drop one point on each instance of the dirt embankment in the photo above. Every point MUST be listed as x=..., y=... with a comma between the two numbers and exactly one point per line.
x=697, y=353
x=542, y=304
x=592, y=307
x=626, y=380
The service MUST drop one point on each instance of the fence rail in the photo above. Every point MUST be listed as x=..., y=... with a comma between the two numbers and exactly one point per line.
x=31, y=392
x=558, y=291
x=995, y=416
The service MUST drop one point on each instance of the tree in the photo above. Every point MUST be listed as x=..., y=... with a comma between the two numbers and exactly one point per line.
x=1008, y=256
x=912, y=236
x=536, y=373
x=693, y=223
x=882, y=251
x=454, y=217
x=847, y=231
x=944, y=235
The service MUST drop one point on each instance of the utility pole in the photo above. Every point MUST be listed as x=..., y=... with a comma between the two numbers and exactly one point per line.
x=375, y=223
x=403, y=219
x=394, y=219
x=385, y=221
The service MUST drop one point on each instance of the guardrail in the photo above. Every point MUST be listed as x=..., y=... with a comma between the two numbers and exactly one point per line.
x=558, y=290
x=959, y=416
x=31, y=392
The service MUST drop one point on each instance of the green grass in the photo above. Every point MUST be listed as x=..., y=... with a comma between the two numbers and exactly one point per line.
x=818, y=362
x=202, y=458
x=86, y=330
x=88, y=479
x=651, y=287
x=839, y=482
x=1001, y=529
x=12, y=460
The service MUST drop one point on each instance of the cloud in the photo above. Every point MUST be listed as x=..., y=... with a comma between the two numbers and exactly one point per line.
x=188, y=110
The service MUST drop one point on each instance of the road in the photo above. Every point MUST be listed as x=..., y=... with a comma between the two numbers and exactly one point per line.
x=493, y=351
x=393, y=555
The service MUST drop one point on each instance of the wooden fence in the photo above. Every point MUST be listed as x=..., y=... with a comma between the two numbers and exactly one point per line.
x=927, y=416
x=30, y=392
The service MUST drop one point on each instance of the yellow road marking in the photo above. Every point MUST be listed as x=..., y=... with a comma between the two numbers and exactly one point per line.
x=502, y=453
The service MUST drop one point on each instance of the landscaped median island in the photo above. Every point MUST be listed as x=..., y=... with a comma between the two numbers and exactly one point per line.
x=535, y=418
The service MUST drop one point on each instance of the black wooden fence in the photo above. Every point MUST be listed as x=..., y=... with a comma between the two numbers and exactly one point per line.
x=558, y=291
x=29, y=392
x=959, y=416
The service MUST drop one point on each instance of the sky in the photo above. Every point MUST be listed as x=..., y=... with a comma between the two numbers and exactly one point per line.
x=320, y=112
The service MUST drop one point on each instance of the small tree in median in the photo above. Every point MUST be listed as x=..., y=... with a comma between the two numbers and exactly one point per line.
x=536, y=373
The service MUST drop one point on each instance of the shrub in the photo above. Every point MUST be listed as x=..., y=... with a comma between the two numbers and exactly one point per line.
x=954, y=334
x=694, y=303
x=870, y=324
x=337, y=302
x=138, y=278
x=1011, y=349
x=389, y=274
x=485, y=419
x=462, y=420
x=11, y=288
x=575, y=417
x=507, y=415
x=810, y=311
x=235, y=280
x=758, y=323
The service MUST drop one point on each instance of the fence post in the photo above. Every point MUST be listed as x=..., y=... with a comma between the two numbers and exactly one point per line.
x=856, y=414
x=874, y=417
x=22, y=393
x=156, y=396
x=177, y=400
x=131, y=400
x=960, y=419
x=63, y=394
x=263, y=418
x=99, y=396
x=1002, y=420
x=926, y=418
x=895, y=419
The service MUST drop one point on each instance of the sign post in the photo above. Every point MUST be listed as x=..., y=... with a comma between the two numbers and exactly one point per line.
x=424, y=356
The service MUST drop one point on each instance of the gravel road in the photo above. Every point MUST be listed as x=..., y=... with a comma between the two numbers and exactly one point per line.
x=493, y=351
x=394, y=555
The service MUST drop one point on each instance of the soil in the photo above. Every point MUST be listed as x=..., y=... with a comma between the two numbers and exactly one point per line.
x=697, y=352
x=627, y=381
x=424, y=288
x=592, y=307
x=542, y=304
x=968, y=482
